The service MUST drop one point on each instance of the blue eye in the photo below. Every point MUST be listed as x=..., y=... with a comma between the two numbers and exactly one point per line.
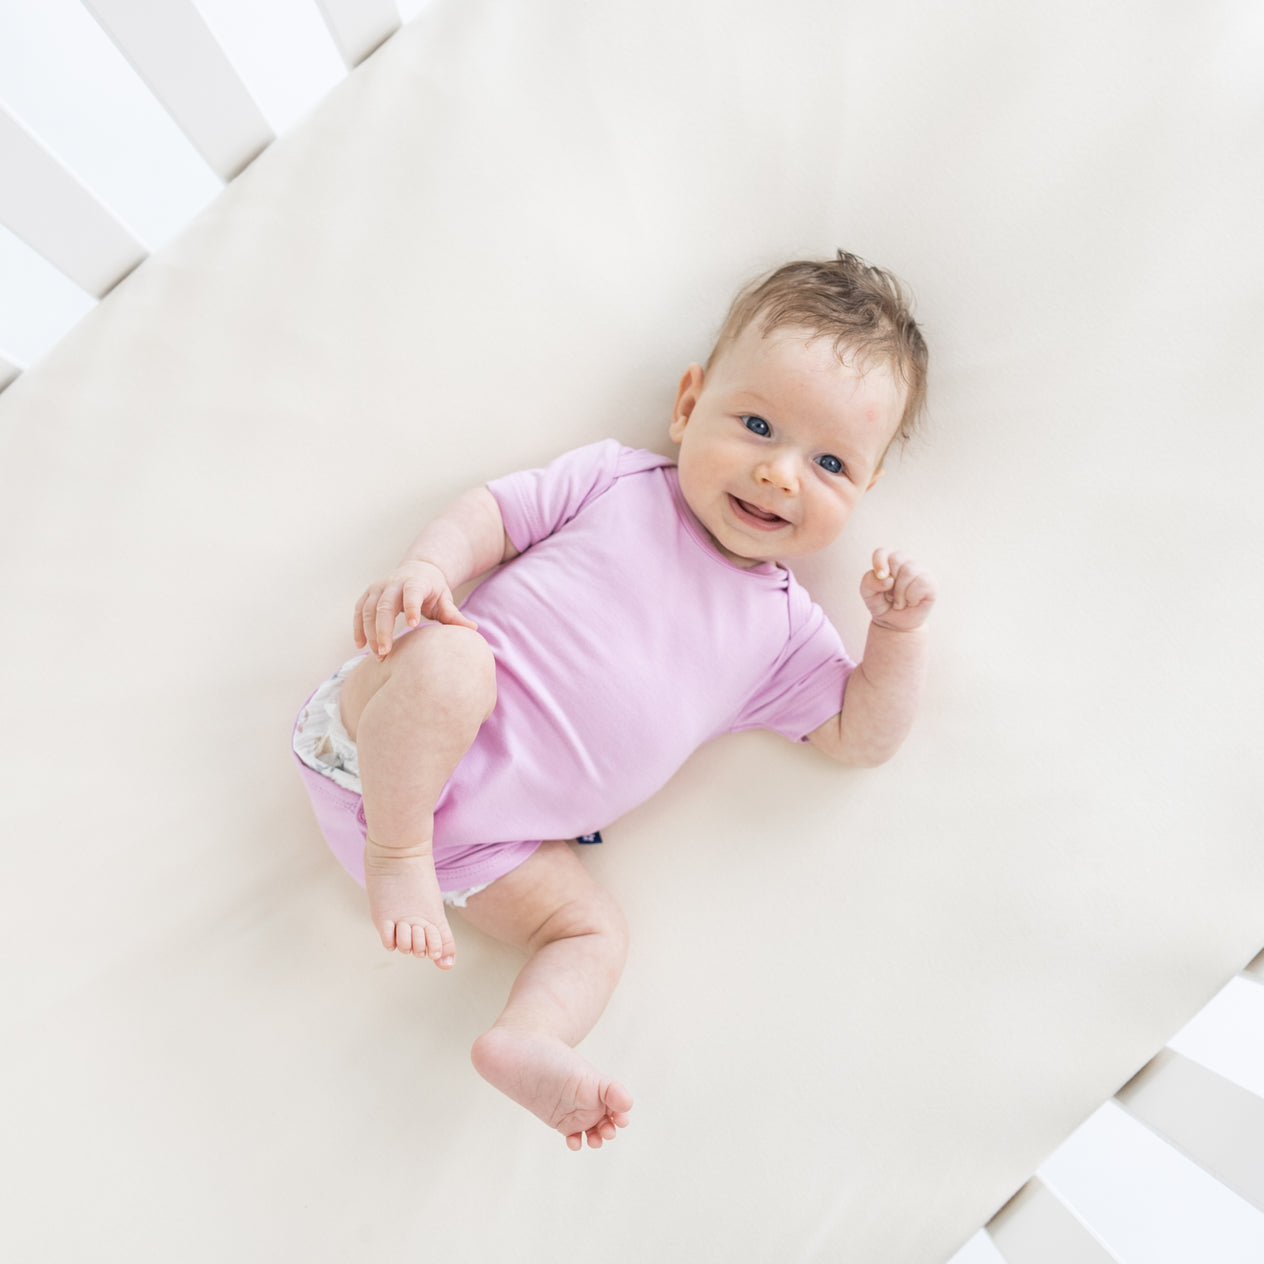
x=831, y=463
x=757, y=425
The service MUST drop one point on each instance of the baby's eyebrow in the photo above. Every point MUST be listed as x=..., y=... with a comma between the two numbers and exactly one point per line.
x=759, y=400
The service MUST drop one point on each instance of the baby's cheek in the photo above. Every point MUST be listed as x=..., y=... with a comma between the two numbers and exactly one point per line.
x=832, y=519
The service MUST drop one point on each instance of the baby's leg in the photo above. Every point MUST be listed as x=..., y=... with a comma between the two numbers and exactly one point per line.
x=577, y=938
x=413, y=715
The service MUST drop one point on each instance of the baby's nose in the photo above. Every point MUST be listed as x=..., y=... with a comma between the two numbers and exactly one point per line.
x=779, y=472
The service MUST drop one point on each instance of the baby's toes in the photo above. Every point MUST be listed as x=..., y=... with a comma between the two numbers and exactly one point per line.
x=431, y=942
x=446, y=958
x=440, y=946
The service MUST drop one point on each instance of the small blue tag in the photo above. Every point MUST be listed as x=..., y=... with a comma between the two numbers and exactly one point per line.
x=590, y=838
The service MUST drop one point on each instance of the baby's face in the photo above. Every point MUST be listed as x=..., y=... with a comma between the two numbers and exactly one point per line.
x=779, y=441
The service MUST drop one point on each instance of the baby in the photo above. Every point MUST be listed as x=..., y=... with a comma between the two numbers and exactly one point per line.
x=642, y=608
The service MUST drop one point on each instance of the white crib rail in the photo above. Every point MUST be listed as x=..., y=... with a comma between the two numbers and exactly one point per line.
x=1037, y=1227
x=181, y=61
x=45, y=205
x=9, y=370
x=1209, y=1119
x=359, y=26
x=174, y=52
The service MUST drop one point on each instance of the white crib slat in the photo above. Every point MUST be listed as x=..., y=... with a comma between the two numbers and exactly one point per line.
x=1255, y=971
x=174, y=52
x=1037, y=1227
x=45, y=205
x=1208, y=1118
x=10, y=370
x=359, y=26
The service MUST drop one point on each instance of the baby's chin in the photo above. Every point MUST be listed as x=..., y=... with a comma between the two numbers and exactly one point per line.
x=736, y=556
x=793, y=547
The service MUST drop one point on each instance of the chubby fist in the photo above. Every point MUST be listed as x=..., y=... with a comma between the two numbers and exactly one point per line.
x=898, y=591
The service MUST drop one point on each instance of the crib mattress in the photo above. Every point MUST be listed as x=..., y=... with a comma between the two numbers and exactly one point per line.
x=861, y=1007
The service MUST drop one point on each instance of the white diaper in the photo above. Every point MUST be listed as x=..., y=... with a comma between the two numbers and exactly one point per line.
x=321, y=741
x=324, y=745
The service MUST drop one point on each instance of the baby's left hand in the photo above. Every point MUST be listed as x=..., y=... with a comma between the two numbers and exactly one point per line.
x=899, y=591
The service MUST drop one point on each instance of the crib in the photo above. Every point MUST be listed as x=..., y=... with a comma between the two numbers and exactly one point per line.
x=1003, y=965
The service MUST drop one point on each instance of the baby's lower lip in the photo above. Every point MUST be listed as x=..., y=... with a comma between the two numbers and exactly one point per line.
x=755, y=517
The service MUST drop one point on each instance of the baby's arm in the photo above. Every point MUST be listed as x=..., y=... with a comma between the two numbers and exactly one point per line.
x=465, y=541
x=883, y=692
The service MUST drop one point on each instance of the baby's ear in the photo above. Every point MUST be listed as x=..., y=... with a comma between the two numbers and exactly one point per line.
x=686, y=397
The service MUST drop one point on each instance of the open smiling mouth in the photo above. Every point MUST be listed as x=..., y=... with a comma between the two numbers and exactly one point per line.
x=755, y=516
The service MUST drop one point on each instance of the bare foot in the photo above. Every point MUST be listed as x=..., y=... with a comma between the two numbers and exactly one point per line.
x=554, y=1083
x=406, y=905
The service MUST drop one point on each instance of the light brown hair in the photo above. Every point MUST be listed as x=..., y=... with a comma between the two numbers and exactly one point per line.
x=863, y=309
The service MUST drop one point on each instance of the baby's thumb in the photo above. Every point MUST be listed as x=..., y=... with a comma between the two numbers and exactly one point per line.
x=448, y=613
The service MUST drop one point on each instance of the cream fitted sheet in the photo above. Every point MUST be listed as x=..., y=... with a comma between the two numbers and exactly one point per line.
x=860, y=1007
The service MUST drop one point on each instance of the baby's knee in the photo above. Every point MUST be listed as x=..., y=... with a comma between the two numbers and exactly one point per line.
x=596, y=912
x=452, y=665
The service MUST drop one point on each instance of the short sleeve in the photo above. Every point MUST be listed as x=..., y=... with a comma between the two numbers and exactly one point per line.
x=806, y=685
x=536, y=503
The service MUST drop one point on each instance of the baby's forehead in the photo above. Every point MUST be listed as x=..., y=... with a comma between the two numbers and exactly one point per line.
x=757, y=340
x=802, y=350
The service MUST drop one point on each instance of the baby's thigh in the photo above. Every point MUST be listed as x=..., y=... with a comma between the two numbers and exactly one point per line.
x=551, y=895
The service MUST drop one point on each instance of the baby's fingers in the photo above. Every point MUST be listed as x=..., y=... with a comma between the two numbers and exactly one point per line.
x=904, y=574
x=436, y=604
x=919, y=589
x=384, y=615
x=877, y=581
x=913, y=586
x=361, y=625
x=413, y=596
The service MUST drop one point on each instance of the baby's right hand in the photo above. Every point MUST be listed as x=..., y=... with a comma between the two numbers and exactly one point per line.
x=413, y=589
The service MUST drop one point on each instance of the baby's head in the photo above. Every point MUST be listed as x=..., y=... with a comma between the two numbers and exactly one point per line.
x=862, y=312
x=818, y=369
